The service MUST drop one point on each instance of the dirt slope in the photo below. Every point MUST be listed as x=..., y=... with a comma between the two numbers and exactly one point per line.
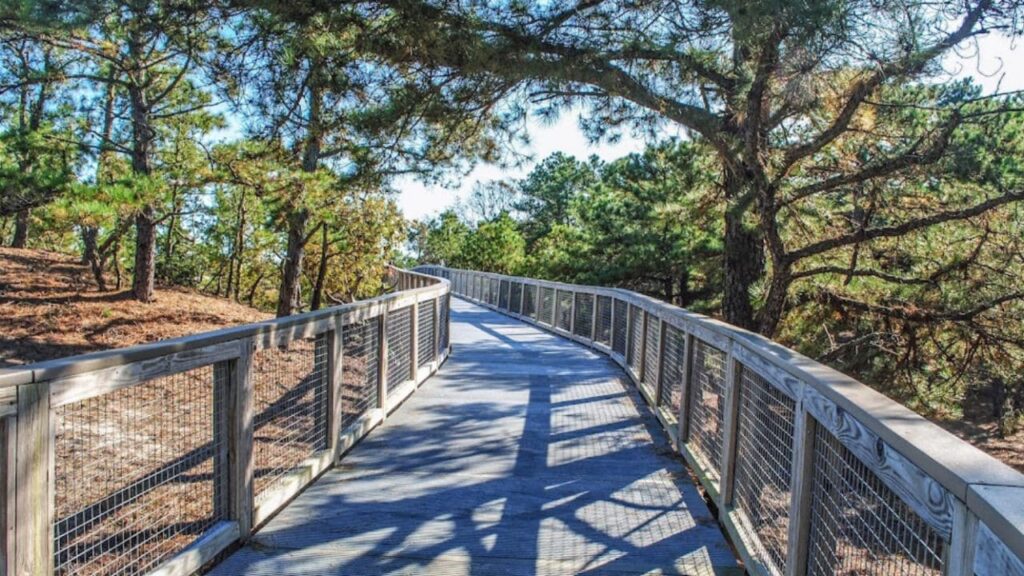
x=50, y=307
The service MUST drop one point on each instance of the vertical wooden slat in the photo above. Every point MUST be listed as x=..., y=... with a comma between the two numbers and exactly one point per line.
x=662, y=332
x=642, y=362
x=437, y=329
x=239, y=427
x=686, y=390
x=732, y=402
x=414, y=346
x=800, y=493
x=593, y=317
x=629, y=336
x=382, y=360
x=960, y=554
x=8, y=443
x=335, y=361
x=33, y=483
x=522, y=298
x=572, y=313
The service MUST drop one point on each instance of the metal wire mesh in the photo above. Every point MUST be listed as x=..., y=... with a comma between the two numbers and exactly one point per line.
x=547, y=305
x=650, y=379
x=707, y=406
x=603, y=330
x=764, y=460
x=620, y=330
x=530, y=301
x=399, y=347
x=503, y=289
x=426, y=347
x=444, y=317
x=135, y=473
x=584, y=322
x=515, y=298
x=290, y=404
x=636, y=335
x=564, y=310
x=359, y=370
x=672, y=369
x=859, y=526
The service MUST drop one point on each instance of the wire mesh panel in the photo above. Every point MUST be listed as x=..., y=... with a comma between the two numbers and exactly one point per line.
x=620, y=332
x=547, y=305
x=503, y=290
x=672, y=368
x=584, y=321
x=530, y=301
x=426, y=348
x=359, y=370
x=859, y=526
x=603, y=330
x=707, y=406
x=515, y=298
x=764, y=460
x=653, y=336
x=564, y=310
x=444, y=317
x=134, y=474
x=399, y=347
x=290, y=406
x=636, y=336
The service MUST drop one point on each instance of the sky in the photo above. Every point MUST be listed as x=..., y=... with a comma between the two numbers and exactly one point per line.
x=998, y=64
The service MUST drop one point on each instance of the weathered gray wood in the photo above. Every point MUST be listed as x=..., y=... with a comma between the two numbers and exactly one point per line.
x=8, y=474
x=661, y=364
x=686, y=390
x=926, y=497
x=203, y=550
x=382, y=362
x=641, y=368
x=572, y=312
x=240, y=430
x=335, y=362
x=731, y=425
x=91, y=384
x=34, y=491
x=414, y=345
x=800, y=493
x=993, y=558
x=959, y=559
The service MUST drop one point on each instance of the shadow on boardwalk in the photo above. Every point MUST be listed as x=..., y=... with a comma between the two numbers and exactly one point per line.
x=526, y=454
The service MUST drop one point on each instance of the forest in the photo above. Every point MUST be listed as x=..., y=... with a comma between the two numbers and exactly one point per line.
x=834, y=190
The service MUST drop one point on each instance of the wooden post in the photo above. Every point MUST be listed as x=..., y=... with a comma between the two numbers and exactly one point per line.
x=437, y=330
x=34, y=490
x=382, y=360
x=522, y=299
x=641, y=368
x=593, y=317
x=960, y=554
x=800, y=493
x=686, y=390
x=237, y=387
x=8, y=473
x=414, y=352
x=611, y=329
x=629, y=335
x=572, y=312
x=335, y=362
x=536, y=303
x=732, y=402
x=662, y=332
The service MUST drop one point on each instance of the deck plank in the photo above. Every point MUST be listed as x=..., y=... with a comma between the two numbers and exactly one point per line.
x=526, y=454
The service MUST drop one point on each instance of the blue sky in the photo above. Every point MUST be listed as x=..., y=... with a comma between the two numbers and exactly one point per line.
x=998, y=64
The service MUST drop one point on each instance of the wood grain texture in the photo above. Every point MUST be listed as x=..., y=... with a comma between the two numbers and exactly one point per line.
x=33, y=500
x=993, y=558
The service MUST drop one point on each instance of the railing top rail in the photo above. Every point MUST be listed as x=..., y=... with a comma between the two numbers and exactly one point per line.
x=71, y=365
x=966, y=472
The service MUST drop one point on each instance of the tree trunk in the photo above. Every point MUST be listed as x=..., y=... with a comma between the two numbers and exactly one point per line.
x=684, y=286
x=289, y=297
x=90, y=255
x=144, y=273
x=21, y=229
x=321, y=271
x=744, y=265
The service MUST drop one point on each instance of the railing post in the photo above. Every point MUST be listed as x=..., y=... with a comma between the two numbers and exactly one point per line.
x=732, y=402
x=684, y=391
x=522, y=299
x=662, y=332
x=238, y=424
x=960, y=553
x=335, y=371
x=641, y=367
x=800, y=493
x=537, y=300
x=628, y=352
x=611, y=328
x=594, y=299
x=572, y=312
x=8, y=443
x=34, y=487
x=382, y=360
x=414, y=345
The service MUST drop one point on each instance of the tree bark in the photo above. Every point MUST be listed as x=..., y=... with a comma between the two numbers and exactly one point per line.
x=90, y=254
x=289, y=296
x=321, y=271
x=744, y=257
x=144, y=273
x=21, y=229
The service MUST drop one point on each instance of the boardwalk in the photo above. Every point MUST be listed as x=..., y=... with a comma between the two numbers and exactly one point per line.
x=526, y=454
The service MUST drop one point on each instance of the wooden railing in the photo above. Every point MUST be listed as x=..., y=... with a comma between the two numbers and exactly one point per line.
x=812, y=472
x=156, y=458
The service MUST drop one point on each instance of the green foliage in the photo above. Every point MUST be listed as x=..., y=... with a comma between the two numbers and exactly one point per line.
x=496, y=246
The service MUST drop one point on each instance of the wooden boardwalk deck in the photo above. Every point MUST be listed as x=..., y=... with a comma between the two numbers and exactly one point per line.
x=526, y=454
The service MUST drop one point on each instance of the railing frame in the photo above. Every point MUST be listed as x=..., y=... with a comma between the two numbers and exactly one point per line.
x=975, y=502
x=30, y=394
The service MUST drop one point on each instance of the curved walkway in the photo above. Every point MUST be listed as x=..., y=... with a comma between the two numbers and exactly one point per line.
x=526, y=454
